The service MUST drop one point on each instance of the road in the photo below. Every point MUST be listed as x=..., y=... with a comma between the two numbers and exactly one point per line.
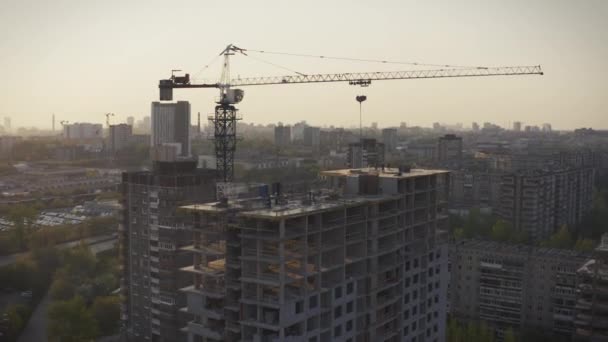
x=36, y=326
x=10, y=259
x=35, y=331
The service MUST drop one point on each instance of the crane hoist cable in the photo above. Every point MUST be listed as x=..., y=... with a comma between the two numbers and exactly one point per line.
x=204, y=68
x=276, y=65
x=367, y=60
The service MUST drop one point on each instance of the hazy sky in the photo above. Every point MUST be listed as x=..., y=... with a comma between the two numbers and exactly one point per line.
x=82, y=58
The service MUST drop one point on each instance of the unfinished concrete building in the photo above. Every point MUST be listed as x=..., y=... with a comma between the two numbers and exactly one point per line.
x=150, y=239
x=364, y=261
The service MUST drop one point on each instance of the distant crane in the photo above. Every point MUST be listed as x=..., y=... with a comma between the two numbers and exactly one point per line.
x=225, y=117
x=108, y=119
x=63, y=124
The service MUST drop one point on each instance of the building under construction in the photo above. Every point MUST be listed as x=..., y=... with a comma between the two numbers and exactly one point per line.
x=365, y=260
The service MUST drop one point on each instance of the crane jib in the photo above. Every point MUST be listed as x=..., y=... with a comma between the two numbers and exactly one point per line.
x=366, y=77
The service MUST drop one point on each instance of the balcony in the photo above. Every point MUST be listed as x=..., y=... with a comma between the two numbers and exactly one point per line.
x=354, y=236
x=207, y=289
x=214, y=333
x=260, y=324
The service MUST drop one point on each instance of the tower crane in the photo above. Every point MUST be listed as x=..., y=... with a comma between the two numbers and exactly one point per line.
x=225, y=117
x=108, y=119
x=63, y=123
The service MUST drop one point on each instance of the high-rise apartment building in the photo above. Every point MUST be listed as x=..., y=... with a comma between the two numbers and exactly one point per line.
x=312, y=136
x=282, y=135
x=336, y=139
x=151, y=237
x=171, y=124
x=449, y=148
x=474, y=189
x=119, y=137
x=389, y=138
x=538, y=202
x=82, y=130
x=364, y=261
x=517, y=126
x=517, y=286
x=367, y=152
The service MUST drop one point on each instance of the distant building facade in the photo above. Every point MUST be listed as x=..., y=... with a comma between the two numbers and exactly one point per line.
x=517, y=126
x=282, y=135
x=151, y=239
x=367, y=152
x=7, y=143
x=171, y=124
x=449, y=148
x=539, y=202
x=119, y=137
x=389, y=138
x=518, y=286
x=312, y=136
x=82, y=130
x=474, y=189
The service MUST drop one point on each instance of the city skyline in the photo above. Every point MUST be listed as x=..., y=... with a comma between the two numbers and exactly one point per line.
x=79, y=68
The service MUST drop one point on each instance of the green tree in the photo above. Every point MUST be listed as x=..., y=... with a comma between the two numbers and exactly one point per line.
x=584, y=245
x=62, y=287
x=106, y=311
x=22, y=218
x=17, y=316
x=70, y=321
x=486, y=334
x=104, y=283
x=455, y=333
x=509, y=336
x=501, y=231
x=80, y=261
x=561, y=239
x=471, y=332
x=459, y=233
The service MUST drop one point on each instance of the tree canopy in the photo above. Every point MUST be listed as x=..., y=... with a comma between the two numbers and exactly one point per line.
x=71, y=321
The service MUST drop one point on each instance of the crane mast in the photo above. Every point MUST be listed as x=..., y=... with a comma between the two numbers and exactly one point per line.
x=226, y=115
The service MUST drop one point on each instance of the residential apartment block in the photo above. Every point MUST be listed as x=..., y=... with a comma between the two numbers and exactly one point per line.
x=171, y=125
x=540, y=201
x=282, y=135
x=449, y=148
x=119, y=137
x=518, y=286
x=474, y=189
x=151, y=236
x=365, y=153
x=362, y=261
